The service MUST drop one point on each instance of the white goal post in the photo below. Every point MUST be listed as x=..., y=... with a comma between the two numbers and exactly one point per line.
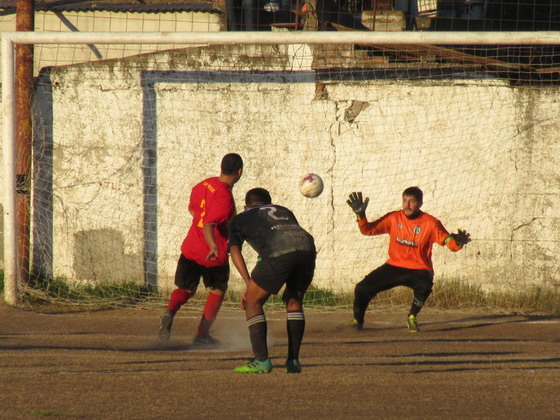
x=11, y=39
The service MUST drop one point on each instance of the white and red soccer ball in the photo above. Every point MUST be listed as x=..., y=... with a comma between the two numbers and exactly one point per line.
x=311, y=185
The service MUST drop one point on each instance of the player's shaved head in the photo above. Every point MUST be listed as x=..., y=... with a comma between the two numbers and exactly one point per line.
x=231, y=164
x=257, y=197
x=415, y=192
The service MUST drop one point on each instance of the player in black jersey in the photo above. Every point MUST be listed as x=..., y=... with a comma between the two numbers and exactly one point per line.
x=286, y=256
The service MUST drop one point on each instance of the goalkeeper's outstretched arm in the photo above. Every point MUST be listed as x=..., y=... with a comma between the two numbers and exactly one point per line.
x=456, y=241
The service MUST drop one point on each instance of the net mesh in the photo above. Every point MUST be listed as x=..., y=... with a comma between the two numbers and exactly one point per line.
x=119, y=143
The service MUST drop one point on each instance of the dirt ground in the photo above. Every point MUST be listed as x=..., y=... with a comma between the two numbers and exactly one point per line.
x=109, y=365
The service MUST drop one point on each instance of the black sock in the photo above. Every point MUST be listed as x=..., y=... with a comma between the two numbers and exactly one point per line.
x=296, y=328
x=416, y=307
x=359, y=312
x=257, y=333
x=361, y=303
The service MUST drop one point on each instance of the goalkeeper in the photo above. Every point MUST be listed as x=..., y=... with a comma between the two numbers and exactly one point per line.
x=412, y=234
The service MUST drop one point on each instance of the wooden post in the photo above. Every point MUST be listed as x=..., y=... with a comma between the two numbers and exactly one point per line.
x=25, y=21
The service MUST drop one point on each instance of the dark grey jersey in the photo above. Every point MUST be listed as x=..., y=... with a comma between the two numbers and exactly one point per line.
x=271, y=230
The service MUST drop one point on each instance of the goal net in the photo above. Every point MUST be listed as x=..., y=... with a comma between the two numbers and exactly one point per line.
x=471, y=118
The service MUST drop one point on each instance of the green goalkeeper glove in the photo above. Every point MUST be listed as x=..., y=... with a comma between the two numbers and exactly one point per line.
x=462, y=237
x=358, y=204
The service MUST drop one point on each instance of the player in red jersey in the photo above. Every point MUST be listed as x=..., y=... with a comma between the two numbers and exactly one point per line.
x=204, y=249
x=412, y=234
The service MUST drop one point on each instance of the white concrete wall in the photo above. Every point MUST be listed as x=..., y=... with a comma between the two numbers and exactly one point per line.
x=485, y=153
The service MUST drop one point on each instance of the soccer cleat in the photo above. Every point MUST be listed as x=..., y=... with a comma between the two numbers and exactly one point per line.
x=412, y=324
x=165, y=326
x=357, y=325
x=207, y=340
x=256, y=366
x=293, y=366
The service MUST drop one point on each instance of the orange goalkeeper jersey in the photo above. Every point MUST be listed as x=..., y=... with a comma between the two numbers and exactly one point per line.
x=411, y=240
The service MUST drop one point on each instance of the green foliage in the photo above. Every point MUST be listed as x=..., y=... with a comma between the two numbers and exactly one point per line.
x=103, y=295
x=447, y=294
x=533, y=300
x=322, y=297
x=450, y=294
x=454, y=294
x=314, y=298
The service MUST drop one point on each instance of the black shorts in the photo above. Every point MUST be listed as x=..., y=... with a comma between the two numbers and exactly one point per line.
x=389, y=276
x=189, y=272
x=294, y=269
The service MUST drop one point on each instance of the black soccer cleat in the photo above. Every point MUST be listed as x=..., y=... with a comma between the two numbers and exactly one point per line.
x=293, y=366
x=206, y=341
x=356, y=325
x=165, y=326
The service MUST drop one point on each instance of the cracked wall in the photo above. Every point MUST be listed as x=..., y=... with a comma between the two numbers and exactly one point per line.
x=485, y=154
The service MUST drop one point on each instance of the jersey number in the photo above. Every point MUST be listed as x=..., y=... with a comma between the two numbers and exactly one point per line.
x=202, y=214
x=272, y=215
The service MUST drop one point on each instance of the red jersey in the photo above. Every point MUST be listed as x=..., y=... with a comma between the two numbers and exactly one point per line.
x=211, y=201
x=411, y=240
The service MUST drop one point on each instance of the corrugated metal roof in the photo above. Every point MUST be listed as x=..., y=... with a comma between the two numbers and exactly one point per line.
x=9, y=7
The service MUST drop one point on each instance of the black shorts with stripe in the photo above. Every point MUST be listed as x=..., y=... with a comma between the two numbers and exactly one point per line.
x=294, y=269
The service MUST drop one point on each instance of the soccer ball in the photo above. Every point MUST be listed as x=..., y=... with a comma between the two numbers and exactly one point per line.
x=311, y=185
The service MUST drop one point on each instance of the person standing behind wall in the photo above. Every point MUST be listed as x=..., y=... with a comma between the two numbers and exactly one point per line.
x=242, y=15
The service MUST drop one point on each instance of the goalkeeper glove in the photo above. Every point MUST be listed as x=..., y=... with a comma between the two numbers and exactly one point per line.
x=358, y=204
x=462, y=237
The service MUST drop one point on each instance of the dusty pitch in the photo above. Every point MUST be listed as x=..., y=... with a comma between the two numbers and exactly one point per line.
x=110, y=365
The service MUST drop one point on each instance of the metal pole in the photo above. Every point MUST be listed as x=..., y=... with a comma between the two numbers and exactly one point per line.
x=9, y=150
x=294, y=37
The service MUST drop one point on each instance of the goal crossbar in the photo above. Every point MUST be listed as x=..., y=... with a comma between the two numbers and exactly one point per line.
x=307, y=37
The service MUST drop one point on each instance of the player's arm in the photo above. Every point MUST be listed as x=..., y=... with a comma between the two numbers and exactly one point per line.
x=453, y=241
x=208, y=230
x=456, y=241
x=239, y=262
x=241, y=266
x=221, y=208
x=235, y=242
x=376, y=227
x=359, y=206
x=220, y=211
